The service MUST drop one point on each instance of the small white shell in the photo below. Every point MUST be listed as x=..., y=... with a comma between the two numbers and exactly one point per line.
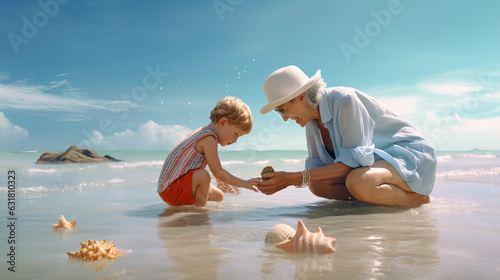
x=279, y=233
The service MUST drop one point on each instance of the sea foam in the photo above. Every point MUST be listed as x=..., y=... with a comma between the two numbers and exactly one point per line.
x=41, y=171
x=121, y=165
x=468, y=173
x=487, y=155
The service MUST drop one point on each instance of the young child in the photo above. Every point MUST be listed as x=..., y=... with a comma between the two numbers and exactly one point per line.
x=183, y=178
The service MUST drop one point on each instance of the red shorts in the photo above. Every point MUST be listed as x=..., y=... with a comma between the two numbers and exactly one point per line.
x=179, y=192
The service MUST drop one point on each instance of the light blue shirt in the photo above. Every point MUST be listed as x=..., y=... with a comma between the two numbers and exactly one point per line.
x=364, y=130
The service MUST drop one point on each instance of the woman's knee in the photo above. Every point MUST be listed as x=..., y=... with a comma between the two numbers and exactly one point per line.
x=353, y=179
x=357, y=182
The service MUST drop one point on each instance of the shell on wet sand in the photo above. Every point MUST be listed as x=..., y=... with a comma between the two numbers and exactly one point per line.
x=96, y=250
x=305, y=241
x=63, y=224
x=279, y=233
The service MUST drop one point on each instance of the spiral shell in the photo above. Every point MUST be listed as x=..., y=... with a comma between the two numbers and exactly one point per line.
x=278, y=234
x=305, y=241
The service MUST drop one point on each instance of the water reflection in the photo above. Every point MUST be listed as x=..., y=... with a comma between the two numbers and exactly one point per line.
x=188, y=233
x=280, y=265
x=373, y=242
x=97, y=266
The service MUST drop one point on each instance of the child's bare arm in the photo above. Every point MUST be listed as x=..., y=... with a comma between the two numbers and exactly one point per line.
x=227, y=188
x=209, y=147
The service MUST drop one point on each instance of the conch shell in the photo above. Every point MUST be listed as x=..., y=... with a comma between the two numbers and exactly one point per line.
x=96, y=250
x=306, y=242
x=63, y=224
x=279, y=233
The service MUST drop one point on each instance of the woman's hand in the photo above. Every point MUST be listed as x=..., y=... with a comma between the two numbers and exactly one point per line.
x=277, y=181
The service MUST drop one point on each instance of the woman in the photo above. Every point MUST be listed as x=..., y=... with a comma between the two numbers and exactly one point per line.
x=357, y=146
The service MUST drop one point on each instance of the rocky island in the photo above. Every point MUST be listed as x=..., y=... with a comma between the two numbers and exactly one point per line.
x=74, y=154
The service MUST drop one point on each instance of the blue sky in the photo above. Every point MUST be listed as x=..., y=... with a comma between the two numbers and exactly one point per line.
x=141, y=74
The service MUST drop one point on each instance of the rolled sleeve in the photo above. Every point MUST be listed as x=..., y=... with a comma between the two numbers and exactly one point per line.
x=312, y=163
x=313, y=160
x=358, y=156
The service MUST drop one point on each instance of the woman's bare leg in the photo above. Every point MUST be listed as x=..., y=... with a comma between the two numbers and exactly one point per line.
x=381, y=184
x=331, y=189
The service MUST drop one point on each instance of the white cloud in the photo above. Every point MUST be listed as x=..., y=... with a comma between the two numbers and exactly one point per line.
x=152, y=136
x=473, y=133
x=149, y=136
x=38, y=98
x=455, y=133
x=481, y=127
x=4, y=76
x=73, y=118
x=455, y=110
x=402, y=105
x=448, y=87
x=460, y=82
x=9, y=132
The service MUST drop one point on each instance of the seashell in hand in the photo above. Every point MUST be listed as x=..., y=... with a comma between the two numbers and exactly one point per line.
x=267, y=169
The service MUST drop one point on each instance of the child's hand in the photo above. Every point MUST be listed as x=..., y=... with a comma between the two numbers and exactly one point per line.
x=250, y=183
x=226, y=188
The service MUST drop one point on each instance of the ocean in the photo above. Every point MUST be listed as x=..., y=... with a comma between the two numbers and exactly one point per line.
x=453, y=237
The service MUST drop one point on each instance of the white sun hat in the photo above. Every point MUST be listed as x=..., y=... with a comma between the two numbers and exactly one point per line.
x=285, y=84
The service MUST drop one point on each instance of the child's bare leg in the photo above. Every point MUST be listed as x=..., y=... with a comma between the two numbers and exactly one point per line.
x=200, y=186
x=215, y=194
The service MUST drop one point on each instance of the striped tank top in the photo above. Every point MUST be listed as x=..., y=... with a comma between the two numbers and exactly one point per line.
x=183, y=157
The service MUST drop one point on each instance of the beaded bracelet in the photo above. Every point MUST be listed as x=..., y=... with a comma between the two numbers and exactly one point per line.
x=306, y=179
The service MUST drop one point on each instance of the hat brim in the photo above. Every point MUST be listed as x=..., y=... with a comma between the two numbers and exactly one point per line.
x=269, y=107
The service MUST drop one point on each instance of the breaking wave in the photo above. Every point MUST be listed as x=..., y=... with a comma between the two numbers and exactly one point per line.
x=468, y=173
x=121, y=165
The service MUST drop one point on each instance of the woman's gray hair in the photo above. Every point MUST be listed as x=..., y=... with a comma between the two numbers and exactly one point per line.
x=313, y=94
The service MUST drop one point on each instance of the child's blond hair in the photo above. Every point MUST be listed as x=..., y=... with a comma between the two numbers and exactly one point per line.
x=235, y=110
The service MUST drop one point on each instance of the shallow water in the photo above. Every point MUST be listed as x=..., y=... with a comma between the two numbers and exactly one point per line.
x=453, y=237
